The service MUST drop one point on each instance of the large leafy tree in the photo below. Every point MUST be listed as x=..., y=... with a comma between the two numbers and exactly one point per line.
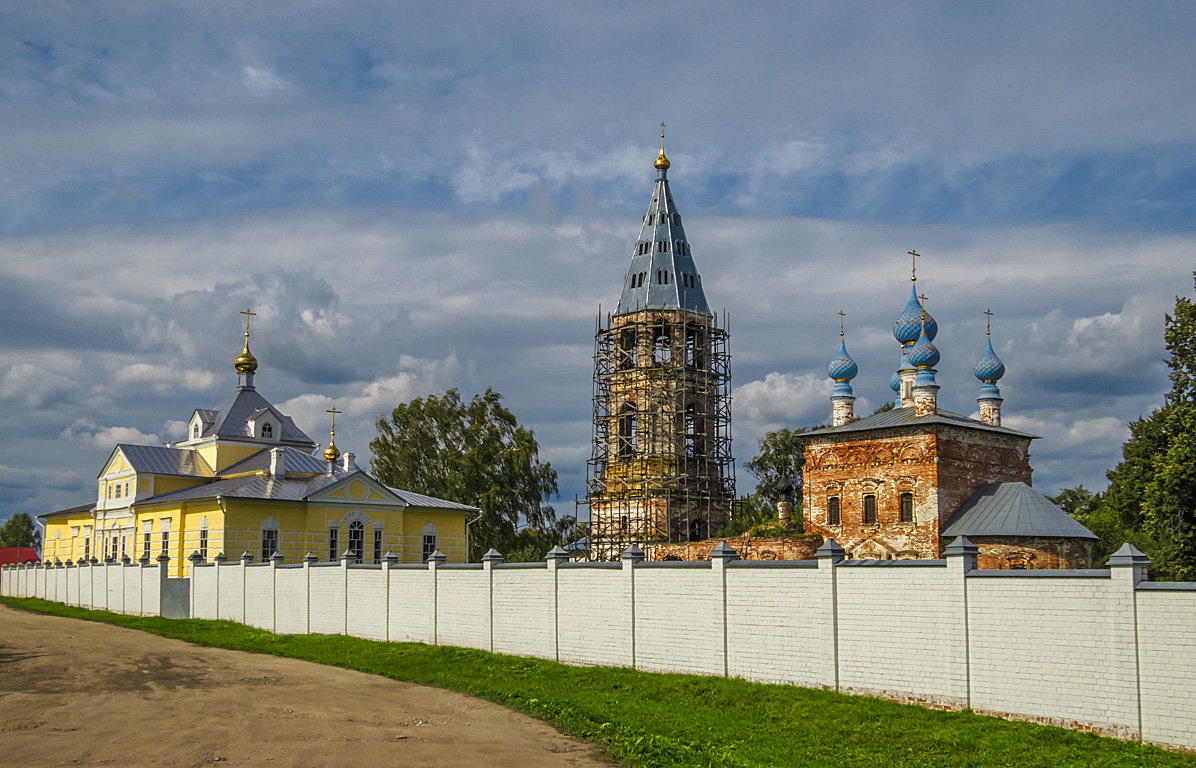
x=780, y=454
x=1151, y=499
x=20, y=531
x=472, y=452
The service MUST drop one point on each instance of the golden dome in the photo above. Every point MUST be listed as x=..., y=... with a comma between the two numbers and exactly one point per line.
x=331, y=453
x=245, y=362
x=662, y=162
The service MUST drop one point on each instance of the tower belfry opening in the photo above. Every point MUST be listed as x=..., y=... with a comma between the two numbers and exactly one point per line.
x=661, y=469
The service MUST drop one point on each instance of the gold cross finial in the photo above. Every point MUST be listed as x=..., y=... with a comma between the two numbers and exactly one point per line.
x=988, y=322
x=842, y=315
x=662, y=138
x=914, y=260
x=334, y=411
x=922, y=298
x=248, y=314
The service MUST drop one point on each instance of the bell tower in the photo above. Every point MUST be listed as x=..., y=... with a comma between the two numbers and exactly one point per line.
x=661, y=468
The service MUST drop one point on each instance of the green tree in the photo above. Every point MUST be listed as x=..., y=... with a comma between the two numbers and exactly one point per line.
x=20, y=531
x=781, y=452
x=472, y=453
x=1151, y=497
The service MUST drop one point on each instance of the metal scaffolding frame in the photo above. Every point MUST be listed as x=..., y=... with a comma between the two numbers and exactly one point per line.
x=661, y=468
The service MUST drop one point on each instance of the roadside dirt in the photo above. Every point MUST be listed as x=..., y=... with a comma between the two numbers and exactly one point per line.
x=79, y=693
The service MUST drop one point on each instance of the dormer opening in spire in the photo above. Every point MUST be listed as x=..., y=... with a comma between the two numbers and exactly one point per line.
x=661, y=469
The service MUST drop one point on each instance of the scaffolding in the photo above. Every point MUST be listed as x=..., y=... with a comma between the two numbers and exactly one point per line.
x=661, y=468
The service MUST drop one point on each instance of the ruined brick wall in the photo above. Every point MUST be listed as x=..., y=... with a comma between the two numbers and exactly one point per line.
x=970, y=458
x=749, y=548
x=884, y=467
x=940, y=468
x=1007, y=552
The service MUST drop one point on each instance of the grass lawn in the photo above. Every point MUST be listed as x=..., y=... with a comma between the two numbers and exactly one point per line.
x=647, y=719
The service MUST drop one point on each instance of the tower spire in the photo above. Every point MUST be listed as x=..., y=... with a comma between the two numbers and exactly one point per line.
x=332, y=453
x=842, y=369
x=246, y=363
x=662, y=274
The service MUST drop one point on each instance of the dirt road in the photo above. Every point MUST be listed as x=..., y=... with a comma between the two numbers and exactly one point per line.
x=79, y=693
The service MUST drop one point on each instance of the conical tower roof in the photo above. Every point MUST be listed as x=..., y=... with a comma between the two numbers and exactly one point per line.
x=662, y=274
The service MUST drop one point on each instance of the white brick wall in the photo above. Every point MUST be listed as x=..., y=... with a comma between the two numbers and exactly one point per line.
x=524, y=612
x=367, y=604
x=1167, y=648
x=1059, y=647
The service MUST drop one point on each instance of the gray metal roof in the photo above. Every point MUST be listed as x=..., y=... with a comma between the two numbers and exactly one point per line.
x=70, y=510
x=902, y=417
x=233, y=416
x=1013, y=509
x=295, y=461
x=160, y=460
x=420, y=500
x=662, y=274
x=291, y=489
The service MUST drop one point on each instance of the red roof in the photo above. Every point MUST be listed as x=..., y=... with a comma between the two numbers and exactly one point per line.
x=14, y=555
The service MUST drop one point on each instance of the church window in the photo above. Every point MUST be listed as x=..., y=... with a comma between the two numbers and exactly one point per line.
x=356, y=541
x=659, y=280
x=269, y=543
x=333, y=542
x=832, y=511
x=377, y=545
x=627, y=423
x=126, y=488
x=429, y=546
x=203, y=543
x=268, y=430
x=907, y=507
x=627, y=348
x=118, y=490
x=195, y=431
x=869, y=509
x=662, y=343
x=109, y=494
x=677, y=218
x=124, y=547
x=145, y=542
x=87, y=548
x=650, y=218
x=115, y=540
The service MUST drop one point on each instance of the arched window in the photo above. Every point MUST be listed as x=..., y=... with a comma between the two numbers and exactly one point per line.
x=832, y=511
x=627, y=437
x=195, y=432
x=869, y=509
x=907, y=507
x=662, y=343
x=677, y=218
x=627, y=356
x=356, y=541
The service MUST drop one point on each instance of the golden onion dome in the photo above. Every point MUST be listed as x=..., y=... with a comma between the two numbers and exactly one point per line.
x=662, y=162
x=331, y=453
x=245, y=362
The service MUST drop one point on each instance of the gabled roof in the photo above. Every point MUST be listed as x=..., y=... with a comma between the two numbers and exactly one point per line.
x=904, y=417
x=270, y=487
x=420, y=500
x=234, y=414
x=71, y=510
x=161, y=460
x=1013, y=509
x=662, y=274
x=295, y=461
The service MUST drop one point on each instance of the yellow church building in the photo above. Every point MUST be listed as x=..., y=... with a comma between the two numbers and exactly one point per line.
x=247, y=479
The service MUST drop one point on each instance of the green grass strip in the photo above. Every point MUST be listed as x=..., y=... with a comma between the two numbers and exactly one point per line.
x=650, y=720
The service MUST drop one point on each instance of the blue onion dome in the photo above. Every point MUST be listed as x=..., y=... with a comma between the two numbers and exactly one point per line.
x=895, y=381
x=908, y=326
x=989, y=368
x=924, y=354
x=841, y=366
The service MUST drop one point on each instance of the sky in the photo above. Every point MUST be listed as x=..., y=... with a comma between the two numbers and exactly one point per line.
x=417, y=196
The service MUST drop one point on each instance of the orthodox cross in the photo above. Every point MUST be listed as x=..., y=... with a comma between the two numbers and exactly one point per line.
x=914, y=260
x=988, y=322
x=842, y=315
x=923, y=298
x=334, y=411
x=248, y=314
x=662, y=137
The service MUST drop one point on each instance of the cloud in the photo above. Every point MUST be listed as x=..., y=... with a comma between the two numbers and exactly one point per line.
x=27, y=385
x=86, y=431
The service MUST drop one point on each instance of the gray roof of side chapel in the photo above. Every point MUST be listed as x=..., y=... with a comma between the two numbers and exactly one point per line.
x=662, y=274
x=1013, y=509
